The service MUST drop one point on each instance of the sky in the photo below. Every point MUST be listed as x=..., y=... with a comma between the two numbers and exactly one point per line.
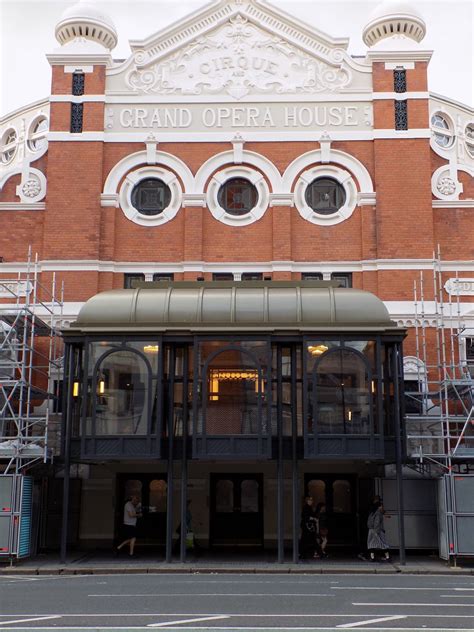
x=27, y=34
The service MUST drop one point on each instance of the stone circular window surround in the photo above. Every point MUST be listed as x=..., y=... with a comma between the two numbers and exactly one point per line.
x=229, y=173
x=37, y=133
x=442, y=128
x=133, y=178
x=9, y=145
x=343, y=177
x=469, y=138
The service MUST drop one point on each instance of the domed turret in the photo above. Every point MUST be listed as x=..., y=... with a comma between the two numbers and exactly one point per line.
x=391, y=19
x=83, y=20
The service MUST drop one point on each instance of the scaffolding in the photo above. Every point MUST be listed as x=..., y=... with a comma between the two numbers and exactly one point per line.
x=440, y=410
x=30, y=367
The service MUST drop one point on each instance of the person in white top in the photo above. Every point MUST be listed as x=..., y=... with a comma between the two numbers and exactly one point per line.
x=131, y=511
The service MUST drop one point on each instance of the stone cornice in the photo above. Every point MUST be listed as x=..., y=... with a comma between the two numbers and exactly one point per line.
x=453, y=203
x=65, y=59
x=22, y=206
x=401, y=56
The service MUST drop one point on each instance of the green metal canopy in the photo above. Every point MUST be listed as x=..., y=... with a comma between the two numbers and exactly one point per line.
x=232, y=307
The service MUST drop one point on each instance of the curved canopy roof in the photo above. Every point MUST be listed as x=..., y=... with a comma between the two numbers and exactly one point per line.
x=232, y=307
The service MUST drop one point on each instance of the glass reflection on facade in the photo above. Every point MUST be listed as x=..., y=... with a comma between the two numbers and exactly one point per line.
x=233, y=388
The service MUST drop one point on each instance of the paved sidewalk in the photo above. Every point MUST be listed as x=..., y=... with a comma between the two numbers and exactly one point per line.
x=97, y=563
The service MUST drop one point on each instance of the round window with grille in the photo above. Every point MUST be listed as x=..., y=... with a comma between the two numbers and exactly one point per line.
x=151, y=196
x=238, y=196
x=442, y=130
x=470, y=139
x=9, y=145
x=325, y=196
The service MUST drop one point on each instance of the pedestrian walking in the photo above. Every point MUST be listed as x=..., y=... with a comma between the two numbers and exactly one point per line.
x=131, y=512
x=308, y=529
x=376, y=540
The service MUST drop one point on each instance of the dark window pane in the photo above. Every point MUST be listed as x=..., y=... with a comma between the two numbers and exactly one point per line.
x=311, y=276
x=325, y=196
x=401, y=115
x=222, y=276
x=129, y=279
x=237, y=196
x=163, y=276
x=78, y=83
x=413, y=397
x=400, y=80
x=344, y=279
x=252, y=276
x=151, y=196
x=76, y=117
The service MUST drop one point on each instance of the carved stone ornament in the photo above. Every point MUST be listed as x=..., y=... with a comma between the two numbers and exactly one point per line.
x=446, y=186
x=238, y=59
x=31, y=188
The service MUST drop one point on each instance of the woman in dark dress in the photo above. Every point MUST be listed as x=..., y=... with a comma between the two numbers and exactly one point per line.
x=308, y=529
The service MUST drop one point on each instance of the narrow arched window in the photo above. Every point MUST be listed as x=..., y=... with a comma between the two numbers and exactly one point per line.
x=341, y=393
x=121, y=397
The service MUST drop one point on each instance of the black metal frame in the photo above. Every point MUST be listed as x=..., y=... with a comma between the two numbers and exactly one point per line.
x=92, y=446
x=278, y=447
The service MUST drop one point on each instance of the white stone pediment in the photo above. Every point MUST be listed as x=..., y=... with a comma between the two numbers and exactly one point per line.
x=239, y=49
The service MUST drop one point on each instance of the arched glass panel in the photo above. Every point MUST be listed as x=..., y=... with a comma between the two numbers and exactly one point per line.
x=121, y=406
x=317, y=490
x=342, y=398
x=224, y=496
x=249, y=496
x=234, y=388
x=341, y=497
x=157, y=496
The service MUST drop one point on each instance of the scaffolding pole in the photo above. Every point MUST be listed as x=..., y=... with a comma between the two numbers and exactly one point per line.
x=30, y=367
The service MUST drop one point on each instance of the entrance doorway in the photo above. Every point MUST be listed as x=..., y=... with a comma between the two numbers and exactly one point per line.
x=236, y=512
x=338, y=491
x=152, y=490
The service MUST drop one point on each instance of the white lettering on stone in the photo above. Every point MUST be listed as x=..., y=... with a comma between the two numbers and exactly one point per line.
x=140, y=115
x=350, y=112
x=126, y=118
x=300, y=116
x=267, y=120
x=460, y=287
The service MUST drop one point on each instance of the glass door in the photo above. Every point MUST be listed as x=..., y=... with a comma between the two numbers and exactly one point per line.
x=236, y=510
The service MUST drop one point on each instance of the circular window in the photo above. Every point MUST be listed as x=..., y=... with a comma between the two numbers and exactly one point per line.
x=470, y=139
x=151, y=196
x=442, y=130
x=237, y=196
x=325, y=196
x=37, y=134
x=9, y=145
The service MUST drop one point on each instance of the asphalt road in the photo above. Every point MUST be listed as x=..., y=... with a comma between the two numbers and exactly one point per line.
x=237, y=602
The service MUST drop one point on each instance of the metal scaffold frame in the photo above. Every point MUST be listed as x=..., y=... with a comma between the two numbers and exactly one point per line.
x=445, y=396
x=30, y=366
